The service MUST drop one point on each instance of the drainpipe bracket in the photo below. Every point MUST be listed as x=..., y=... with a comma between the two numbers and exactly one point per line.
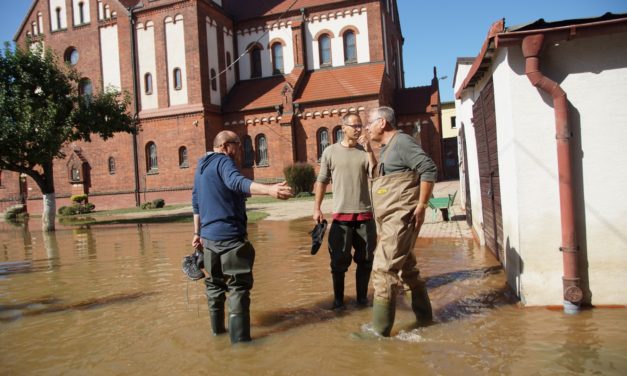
x=569, y=249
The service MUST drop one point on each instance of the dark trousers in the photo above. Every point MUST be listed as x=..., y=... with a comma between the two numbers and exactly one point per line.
x=229, y=264
x=358, y=235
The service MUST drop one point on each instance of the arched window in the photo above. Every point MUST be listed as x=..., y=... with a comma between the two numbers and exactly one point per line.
x=228, y=60
x=214, y=80
x=107, y=12
x=81, y=12
x=249, y=153
x=58, y=12
x=71, y=55
x=111, y=166
x=178, y=80
x=85, y=88
x=324, y=46
x=277, y=58
x=183, y=157
x=350, y=47
x=40, y=23
x=338, y=134
x=148, y=83
x=262, y=150
x=151, y=157
x=255, y=62
x=323, y=141
x=75, y=173
x=34, y=28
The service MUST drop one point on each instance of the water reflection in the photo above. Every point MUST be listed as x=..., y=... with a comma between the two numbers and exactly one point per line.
x=113, y=300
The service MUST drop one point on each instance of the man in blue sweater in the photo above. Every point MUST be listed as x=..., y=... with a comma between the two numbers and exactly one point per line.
x=219, y=206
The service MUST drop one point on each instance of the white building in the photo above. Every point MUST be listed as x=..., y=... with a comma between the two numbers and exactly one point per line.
x=556, y=219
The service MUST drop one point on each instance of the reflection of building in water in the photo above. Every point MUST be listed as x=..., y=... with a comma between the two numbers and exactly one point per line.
x=280, y=77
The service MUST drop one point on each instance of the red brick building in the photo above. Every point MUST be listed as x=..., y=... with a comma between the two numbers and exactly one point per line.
x=278, y=73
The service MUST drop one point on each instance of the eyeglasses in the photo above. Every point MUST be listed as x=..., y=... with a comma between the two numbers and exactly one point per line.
x=373, y=120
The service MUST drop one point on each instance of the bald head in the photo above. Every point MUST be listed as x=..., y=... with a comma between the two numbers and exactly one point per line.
x=224, y=137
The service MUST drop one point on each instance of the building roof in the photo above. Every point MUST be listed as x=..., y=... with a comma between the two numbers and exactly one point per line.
x=247, y=9
x=256, y=93
x=342, y=82
x=413, y=100
x=498, y=36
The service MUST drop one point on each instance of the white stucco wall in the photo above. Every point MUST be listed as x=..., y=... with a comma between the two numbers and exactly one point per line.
x=175, y=56
x=110, y=57
x=228, y=48
x=75, y=8
x=335, y=22
x=147, y=64
x=212, y=50
x=593, y=73
x=281, y=32
x=53, y=5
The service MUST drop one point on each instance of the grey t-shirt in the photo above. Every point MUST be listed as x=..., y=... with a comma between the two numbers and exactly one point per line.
x=406, y=155
x=349, y=169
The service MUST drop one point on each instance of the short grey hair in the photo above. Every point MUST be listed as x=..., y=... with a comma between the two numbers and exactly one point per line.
x=386, y=113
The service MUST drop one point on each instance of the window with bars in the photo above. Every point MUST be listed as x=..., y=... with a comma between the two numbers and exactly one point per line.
x=323, y=141
x=262, y=151
x=249, y=153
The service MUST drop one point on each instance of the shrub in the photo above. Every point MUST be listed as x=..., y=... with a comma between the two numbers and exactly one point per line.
x=67, y=210
x=15, y=212
x=79, y=199
x=146, y=205
x=300, y=176
x=158, y=203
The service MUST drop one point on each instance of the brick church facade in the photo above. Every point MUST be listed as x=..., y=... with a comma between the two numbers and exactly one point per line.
x=280, y=74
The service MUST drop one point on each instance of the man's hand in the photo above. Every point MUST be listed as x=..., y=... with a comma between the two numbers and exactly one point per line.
x=282, y=191
x=364, y=141
x=196, y=242
x=419, y=216
x=318, y=216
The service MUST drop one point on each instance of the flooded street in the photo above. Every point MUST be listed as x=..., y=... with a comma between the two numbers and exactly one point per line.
x=112, y=300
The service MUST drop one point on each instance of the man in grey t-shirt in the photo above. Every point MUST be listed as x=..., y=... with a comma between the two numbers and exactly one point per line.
x=349, y=164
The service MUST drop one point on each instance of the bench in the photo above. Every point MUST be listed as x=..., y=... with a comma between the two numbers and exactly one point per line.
x=442, y=203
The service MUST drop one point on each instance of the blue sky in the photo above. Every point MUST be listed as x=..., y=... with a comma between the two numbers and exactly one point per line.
x=436, y=32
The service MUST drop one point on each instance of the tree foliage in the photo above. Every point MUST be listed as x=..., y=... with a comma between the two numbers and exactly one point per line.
x=42, y=110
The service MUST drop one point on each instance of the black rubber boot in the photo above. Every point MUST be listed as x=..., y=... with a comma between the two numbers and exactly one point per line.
x=362, y=277
x=217, y=322
x=338, y=290
x=421, y=305
x=239, y=328
x=383, y=313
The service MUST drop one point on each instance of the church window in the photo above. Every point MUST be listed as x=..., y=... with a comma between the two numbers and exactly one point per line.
x=350, y=47
x=277, y=58
x=262, y=151
x=324, y=46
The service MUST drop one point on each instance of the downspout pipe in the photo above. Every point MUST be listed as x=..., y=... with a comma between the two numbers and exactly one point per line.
x=573, y=295
x=131, y=17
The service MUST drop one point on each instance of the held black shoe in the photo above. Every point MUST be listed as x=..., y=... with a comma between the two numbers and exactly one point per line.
x=192, y=265
x=317, y=234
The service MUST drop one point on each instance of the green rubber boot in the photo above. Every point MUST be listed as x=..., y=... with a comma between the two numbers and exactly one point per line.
x=421, y=305
x=383, y=313
x=239, y=328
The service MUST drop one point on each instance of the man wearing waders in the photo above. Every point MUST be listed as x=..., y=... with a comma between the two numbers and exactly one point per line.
x=348, y=164
x=219, y=207
x=400, y=195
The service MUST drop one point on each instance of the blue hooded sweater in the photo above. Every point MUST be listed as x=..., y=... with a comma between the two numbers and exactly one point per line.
x=219, y=197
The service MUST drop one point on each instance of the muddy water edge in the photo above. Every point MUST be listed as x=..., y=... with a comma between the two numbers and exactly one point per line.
x=112, y=300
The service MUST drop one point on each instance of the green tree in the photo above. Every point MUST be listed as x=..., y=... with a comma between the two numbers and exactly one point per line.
x=42, y=110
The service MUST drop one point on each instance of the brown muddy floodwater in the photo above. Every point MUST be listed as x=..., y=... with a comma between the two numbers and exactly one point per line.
x=112, y=300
